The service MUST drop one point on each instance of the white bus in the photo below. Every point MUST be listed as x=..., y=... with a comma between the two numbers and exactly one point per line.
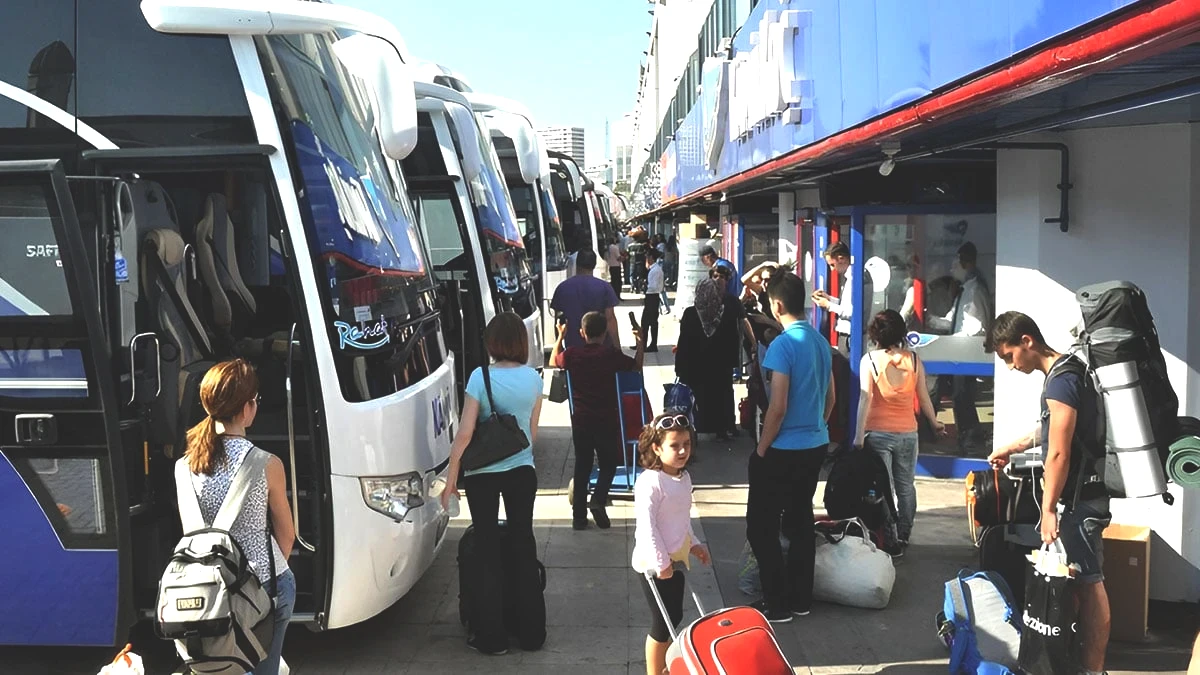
x=183, y=182
x=466, y=213
x=576, y=200
x=527, y=171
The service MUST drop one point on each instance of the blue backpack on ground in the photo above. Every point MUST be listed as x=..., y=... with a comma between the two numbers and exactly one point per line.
x=979, y=624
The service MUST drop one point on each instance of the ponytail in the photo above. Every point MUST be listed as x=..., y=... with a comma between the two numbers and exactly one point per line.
x=205, y=451
x=224, y=392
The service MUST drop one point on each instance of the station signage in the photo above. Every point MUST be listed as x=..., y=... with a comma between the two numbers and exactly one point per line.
x=764, y=83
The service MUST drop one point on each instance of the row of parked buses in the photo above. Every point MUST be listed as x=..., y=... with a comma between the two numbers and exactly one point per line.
x=186, y=181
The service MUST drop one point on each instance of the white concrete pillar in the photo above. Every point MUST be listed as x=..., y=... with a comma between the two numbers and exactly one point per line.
x=787, y=226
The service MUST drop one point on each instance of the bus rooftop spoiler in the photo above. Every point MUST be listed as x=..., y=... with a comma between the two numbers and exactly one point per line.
x=266, y=17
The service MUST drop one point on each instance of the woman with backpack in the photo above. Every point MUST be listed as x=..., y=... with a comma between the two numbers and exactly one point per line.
x=893, y=387
x=511, y=389
x=216, y=448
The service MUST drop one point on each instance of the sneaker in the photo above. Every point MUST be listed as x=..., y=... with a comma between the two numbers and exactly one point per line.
x=471, y=642
x=801, y=612
x=601, y=518
x=579, y=523
x=773, y=615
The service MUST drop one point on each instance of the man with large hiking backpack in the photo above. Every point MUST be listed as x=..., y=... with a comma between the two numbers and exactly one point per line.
x=1072, y=435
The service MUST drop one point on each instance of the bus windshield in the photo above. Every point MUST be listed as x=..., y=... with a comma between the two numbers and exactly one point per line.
x=498, y=223
x=362, y=230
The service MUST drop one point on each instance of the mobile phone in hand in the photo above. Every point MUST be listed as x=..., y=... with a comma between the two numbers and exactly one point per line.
x=633, y=322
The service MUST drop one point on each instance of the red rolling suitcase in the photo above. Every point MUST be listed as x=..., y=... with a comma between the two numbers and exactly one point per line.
x=730, y=641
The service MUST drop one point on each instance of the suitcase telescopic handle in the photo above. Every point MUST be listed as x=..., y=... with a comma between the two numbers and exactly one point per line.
x=662, y=607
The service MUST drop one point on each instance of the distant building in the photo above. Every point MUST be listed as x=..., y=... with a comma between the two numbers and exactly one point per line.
x=621, y=160
x=568, y=140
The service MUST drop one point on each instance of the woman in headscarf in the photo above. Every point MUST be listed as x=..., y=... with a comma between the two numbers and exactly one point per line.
x=706, y=355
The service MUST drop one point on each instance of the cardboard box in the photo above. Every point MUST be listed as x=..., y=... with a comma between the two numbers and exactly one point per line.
x=1127, y=579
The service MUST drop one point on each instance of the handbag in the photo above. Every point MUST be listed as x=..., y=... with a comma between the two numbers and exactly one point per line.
x=1048, y=634
x=558, y=386
x=497, y=437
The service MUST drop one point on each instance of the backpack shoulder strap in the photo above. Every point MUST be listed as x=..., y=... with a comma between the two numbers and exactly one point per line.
x=253, y=465
x=190, y=515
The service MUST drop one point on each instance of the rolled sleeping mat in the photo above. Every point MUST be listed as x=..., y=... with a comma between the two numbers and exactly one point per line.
x=1183, y=464
x=1130, y=434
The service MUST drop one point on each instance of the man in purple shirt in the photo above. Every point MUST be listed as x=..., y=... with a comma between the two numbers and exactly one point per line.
x=585, y=293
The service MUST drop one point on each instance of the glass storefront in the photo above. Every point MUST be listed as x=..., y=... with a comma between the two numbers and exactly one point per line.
x=938, y=272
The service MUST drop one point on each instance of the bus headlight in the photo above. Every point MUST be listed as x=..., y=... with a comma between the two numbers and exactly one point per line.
x=394, y=496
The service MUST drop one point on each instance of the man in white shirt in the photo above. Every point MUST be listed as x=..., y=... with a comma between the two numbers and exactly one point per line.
x=837, y=256
x=971, y=317
x=650, y=305
x=614, y=257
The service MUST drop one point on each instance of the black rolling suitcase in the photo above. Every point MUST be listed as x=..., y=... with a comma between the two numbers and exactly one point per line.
x=523, y=589
x=1002, y=549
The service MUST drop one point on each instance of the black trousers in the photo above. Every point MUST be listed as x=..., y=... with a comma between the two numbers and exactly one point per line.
x=603, y=446
x=671, y=591
x=966, y=416
x=650, y=307
x=518, y=487
x=614, y=278
x=782, y=485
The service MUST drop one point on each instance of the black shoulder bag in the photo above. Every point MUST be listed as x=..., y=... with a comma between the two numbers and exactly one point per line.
x=497, y=437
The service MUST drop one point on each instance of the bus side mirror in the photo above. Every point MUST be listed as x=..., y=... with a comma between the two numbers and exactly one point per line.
x=529, y=154
x=378, y=64
x=468, y=139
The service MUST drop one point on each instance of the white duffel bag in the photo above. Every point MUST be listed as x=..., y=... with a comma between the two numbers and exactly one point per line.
x=850, y=570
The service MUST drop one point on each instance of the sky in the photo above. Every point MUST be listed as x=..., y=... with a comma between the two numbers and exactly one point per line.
x=568, y=61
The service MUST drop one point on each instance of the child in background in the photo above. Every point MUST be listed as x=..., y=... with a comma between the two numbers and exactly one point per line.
x=663, y=502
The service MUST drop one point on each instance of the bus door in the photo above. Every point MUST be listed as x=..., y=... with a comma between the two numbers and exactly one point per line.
x=65, y=566
x=440, y=214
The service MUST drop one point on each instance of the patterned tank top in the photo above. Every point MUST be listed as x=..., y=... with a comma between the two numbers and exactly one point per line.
x=250, y=527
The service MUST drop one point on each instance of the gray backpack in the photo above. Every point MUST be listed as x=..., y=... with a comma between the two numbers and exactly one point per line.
x=209, y=599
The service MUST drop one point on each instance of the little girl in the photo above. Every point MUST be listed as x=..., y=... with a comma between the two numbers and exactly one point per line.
x=663, y=502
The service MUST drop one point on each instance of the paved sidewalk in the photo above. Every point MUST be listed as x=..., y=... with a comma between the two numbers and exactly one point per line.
x=597, y=617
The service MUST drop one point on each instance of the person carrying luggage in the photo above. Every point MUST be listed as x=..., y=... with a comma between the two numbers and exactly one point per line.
x=216, y=448
x=514, y=389
x=595, y=424
x=662, y=502
x=1068, y=435
x=892, y=378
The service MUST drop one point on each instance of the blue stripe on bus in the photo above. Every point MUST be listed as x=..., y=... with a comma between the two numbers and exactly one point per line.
x=51, y=596
x=9, y=309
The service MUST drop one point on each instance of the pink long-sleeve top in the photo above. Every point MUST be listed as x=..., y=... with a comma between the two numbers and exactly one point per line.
x=663, y=505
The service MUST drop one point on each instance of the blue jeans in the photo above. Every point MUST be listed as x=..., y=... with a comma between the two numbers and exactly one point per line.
x=899, y=453
x=285, y=600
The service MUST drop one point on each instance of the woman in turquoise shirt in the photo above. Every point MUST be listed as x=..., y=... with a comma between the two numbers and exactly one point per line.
x=517, y=391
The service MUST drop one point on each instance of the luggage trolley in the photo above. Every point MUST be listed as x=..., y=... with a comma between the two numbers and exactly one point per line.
x=634, y=412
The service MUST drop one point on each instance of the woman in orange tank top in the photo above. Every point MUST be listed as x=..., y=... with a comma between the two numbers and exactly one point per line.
x=892, y=382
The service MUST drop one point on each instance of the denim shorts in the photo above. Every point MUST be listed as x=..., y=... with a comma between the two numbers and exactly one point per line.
x=1081, y=531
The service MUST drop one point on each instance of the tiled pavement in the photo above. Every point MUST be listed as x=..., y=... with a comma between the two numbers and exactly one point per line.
x=596, y=614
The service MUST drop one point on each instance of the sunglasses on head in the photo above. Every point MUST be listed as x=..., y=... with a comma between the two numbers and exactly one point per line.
x=673, y=422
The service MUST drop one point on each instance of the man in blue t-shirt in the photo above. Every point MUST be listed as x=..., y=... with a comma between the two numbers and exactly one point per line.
x=585, y=293
x=1073, y=481
x=733, y=282
x=793, y=444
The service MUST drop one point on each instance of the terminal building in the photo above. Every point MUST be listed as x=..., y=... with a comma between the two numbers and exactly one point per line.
x=1056, y=137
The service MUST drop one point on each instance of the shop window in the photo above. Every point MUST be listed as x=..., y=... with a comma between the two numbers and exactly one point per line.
x=939, y=272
